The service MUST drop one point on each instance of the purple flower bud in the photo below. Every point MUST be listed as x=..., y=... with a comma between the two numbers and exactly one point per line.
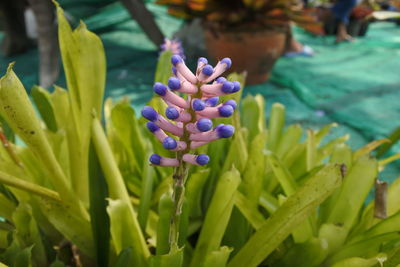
x=231, y=103
x=198, y=105
x=202, y=159
x=227, y=61
x=175, y=59
x=152, y=127
x=225, y=131
x=149, y=113
x=169, y=143
x=227, y=87
x=174, y=71
x=155, y=159
x=220, y=80
x=202, y=60
x=171, y=113
x=212, y=102
x=204, y=125
x=207, y=70
x=174, y=83
x=160, y=89
x=225, y=110
x=236, y=86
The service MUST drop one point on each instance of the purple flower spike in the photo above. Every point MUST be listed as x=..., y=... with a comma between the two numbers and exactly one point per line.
x=198, y=105
x=226, y=110
x=152, y=127
x=236, y=86
x=160, y=89
x=204, y=125
x=212, y=102
x=174, y=83
x=175, y=59
x=169, y=143
x=171, y=113
x=149, y=113
x=189, y=117
x=155, y=159
x=232, y=103
x=225, y=131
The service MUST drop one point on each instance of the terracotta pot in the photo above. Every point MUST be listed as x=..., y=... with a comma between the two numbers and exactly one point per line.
x=253, y=51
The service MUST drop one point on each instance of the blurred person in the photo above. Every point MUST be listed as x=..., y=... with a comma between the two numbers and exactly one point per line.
x=341, y=12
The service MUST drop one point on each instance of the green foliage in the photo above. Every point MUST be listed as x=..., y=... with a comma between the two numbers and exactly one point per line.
x=79, y=193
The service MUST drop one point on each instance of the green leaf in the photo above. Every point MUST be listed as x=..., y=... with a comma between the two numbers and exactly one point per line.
x=121, y=208
x=249, y=211
x=165, y=211
x=98, y=215
x=146, y=192
x=174, y=258
x=121, y=218
x=20, y=114
x=357, y=262
x=74, y=227
x=124, y=258
x=43, y=103
x=353, y=192
x=164, y=67
x=275, y=126
x=217, y=217
x=250, y=113
x=28, y=233
x=289, y=139
x=310, y=253
x=218, y=258
x=194, y=188
x=293, y=211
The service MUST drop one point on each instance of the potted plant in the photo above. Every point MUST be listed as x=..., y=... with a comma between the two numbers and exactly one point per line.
x=251, y=32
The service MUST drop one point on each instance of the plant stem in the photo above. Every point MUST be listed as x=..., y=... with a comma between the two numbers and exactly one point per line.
x=180, y=174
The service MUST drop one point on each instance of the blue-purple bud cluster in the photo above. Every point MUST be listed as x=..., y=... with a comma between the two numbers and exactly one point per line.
x=188, y=121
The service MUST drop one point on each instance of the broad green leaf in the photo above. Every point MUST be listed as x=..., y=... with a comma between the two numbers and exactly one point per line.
x=275, y=126
x=335, y=235
x=393, y=258
x=369, y=148
x=174, y=258
x=45, y=107
x=357, y=262
x=252, y=181
x=217, y=217
x=117, y=191
x=19, y=113
x=249, y=211
x=353, y=192
x=237, y=147
x=311, y=150
x=320, y=134
x=165, y=211
x=146, y=192
x=57, y=263
x=304, y=231
x=74, y=227
x=249, y=116
x=7, y=207
x=388, y=225
x=363, y=248
x=194, y=188
x=124, y=258
x=218, y=258
x=394, y=137
x=294, y=211
x=98, y=214
x=24, y=258
x=289, y=139
x=311, y=253
x=164, y=67
x=27, y=232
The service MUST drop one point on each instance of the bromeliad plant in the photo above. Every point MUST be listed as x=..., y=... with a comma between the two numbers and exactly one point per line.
x=80, y=194
x=193, y=127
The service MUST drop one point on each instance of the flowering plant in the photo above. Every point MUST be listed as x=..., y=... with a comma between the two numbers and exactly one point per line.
x=192, y=115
